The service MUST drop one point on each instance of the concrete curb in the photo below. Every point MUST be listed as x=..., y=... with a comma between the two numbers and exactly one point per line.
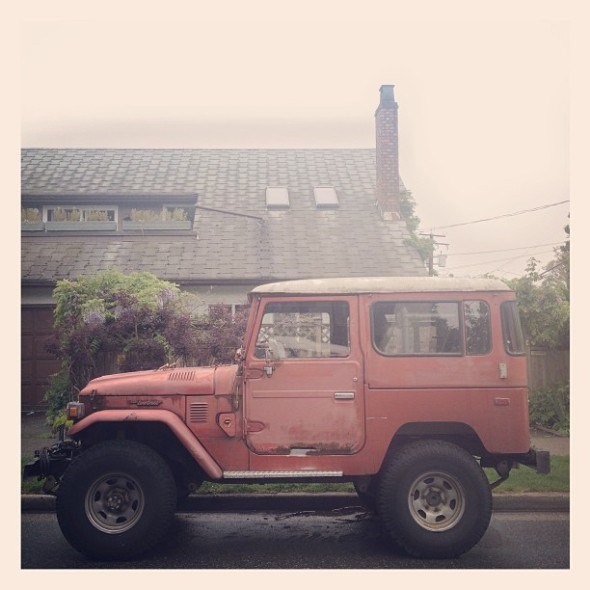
x=315, y=502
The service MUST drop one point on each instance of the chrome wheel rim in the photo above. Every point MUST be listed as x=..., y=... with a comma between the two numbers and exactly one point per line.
x=114, y=503
x=436, y=501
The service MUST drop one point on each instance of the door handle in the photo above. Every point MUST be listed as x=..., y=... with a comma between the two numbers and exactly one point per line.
x=344, y=395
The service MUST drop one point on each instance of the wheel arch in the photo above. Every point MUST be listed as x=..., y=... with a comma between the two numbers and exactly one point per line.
x=458, y=433
x=161, y=430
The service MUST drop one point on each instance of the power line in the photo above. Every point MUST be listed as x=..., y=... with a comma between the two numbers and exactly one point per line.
x=505, y=250
x=495, y=261
x=539, y=208
x=563, y=263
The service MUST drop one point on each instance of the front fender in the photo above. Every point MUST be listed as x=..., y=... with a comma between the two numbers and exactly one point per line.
x=171, y=420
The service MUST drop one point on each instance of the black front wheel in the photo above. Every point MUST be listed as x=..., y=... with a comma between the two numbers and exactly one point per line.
x=116, y=500
x=434, y=499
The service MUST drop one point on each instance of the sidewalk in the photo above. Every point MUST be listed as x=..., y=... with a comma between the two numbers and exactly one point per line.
x=35, y=434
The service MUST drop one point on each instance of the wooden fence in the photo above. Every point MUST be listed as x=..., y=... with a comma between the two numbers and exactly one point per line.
x=548, y=367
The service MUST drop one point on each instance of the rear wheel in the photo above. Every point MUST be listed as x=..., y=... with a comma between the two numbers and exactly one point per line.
x=434, y=500
x=116, y=500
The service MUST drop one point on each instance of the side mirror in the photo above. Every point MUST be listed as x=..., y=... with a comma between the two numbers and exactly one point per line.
x=268, y=358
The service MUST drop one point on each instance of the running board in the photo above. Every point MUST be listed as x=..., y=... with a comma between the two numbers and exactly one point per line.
x=279, y=474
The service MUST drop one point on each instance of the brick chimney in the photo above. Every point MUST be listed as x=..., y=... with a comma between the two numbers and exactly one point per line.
x=388, y=195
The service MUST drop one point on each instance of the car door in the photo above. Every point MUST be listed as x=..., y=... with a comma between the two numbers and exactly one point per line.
x=304, y=385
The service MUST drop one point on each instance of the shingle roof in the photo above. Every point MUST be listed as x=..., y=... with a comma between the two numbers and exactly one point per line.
x=300, y=242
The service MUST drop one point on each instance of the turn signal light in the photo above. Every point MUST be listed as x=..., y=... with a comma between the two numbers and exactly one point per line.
x=75, y=411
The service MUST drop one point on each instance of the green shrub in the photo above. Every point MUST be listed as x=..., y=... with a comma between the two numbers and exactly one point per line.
x=550, y=407
x=60, y=392
x=111, y=321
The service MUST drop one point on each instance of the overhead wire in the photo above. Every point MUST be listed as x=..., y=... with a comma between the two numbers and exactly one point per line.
x=505, y=250
x=539, y=208
x=495, y=261
x=506, y=260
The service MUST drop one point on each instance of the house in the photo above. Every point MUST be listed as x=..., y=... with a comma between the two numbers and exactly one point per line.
x=215, y=221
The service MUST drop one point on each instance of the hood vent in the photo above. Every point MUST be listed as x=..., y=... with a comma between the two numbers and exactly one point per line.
x=199, y=412
x=181, y=376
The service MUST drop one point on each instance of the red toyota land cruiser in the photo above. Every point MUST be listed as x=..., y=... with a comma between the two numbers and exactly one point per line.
x=406, y=387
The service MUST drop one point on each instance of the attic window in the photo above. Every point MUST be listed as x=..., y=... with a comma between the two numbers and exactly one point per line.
x=80, y=214
x=166, y=214
x=325, y=197
x=277, y=197
x=170, y=217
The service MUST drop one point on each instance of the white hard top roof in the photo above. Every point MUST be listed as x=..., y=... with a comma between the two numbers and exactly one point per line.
x=335, y=286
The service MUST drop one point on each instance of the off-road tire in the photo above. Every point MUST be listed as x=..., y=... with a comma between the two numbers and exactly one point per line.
x=433, y=499
x=116, y=500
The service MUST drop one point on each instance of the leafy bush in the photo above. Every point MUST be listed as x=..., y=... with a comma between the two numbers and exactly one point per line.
x=550, y=407
x=143, y=354
x=220, y=335
x=113, y=322
x=60, y=392
x=110, y=322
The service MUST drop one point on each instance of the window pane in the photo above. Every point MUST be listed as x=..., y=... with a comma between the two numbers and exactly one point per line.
x=416, y=328
x=512, y=331
x=304, y=330
x=80, y=214
x=477, y=327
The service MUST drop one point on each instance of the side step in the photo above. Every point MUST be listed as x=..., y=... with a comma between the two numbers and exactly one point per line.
x=279, y=474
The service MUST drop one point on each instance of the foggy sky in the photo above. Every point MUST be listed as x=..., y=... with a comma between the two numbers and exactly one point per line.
x=483, y=102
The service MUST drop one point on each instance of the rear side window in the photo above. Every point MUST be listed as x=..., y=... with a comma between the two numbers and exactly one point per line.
x=477, y=327
x=511, y=328
x=416, y=328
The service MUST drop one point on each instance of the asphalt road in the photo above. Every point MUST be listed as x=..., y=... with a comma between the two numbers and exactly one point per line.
x=345, y=538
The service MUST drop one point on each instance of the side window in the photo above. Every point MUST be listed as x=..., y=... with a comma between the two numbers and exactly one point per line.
x=477, y=327
x=304, y=330
x=416, y=328
x=511, y=328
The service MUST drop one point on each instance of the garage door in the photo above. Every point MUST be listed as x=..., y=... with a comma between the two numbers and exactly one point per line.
x=37, y=363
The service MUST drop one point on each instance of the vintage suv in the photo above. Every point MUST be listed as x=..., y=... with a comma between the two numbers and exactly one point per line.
x=406, y=387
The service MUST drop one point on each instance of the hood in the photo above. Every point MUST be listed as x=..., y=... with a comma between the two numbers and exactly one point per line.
x=183, y=381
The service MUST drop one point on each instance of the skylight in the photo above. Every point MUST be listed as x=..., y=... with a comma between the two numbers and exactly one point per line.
x=277, y=197
x=325, y=197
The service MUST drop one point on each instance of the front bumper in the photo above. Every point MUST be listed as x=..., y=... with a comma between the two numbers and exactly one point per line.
x=52, y=461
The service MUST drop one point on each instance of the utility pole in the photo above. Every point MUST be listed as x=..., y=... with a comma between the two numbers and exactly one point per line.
x=431, y=257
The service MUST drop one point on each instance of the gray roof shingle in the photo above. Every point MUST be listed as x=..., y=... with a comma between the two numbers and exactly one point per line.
x=299, y=242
